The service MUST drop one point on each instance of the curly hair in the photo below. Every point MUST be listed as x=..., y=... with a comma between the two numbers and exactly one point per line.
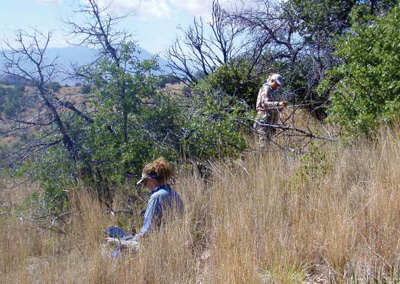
x=160, y=169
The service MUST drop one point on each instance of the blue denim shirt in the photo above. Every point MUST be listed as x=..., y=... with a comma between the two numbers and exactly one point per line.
x=162, y=197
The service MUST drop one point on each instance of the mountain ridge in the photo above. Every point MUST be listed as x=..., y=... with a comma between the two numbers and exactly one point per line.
x=65, y=56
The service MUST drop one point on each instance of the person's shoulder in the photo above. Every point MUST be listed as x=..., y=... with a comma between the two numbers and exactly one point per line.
x=265, y=87
x=160, y=193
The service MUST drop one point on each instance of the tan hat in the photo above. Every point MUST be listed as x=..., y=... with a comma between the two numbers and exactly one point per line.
x=278, y=79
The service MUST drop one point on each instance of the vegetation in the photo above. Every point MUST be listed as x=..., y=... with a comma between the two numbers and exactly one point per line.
x=308, y=209
x=86, y=89
x=10, y=101
x=125, y=121
x=54, y=86
x=367, y=92
x=331, y=218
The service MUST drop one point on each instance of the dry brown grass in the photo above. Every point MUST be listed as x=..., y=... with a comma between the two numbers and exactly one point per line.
x=330, y=216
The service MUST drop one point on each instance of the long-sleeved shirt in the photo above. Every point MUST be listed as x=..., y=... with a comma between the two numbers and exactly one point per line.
x=162, y=198
x=266, y=99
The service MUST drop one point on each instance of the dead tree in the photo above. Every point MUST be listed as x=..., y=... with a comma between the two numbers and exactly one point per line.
x=204, y=46
x=26, y=59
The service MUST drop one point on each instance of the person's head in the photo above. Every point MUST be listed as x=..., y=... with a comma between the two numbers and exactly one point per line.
x=157, y=172
x=276, y=81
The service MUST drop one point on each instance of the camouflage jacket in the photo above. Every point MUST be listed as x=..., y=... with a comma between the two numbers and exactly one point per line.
x=267, y=100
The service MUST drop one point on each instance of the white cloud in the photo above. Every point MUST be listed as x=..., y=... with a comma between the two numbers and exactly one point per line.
x=201, y=7
x=195, y=7
x=159, y=9
x=143, y=8
x=48, y=2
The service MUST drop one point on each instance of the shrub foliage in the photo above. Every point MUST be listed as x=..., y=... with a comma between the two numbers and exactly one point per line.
x=367, y=92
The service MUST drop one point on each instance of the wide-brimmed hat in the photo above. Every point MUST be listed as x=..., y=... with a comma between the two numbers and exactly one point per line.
x=278, y=79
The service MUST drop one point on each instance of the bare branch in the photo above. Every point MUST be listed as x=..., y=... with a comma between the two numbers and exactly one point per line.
x=27, y=60
x=204, y=46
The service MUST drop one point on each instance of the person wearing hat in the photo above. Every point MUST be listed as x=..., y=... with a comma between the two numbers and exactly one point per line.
x=268, y=107
x=164, y=202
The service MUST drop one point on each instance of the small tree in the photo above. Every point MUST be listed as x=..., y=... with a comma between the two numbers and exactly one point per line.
x=86, y=89
x=54, y=86
x=26, y=59
x=40, y=117
x=11, y=102
x=204, y=46
x=367, y=93
x=236, y=79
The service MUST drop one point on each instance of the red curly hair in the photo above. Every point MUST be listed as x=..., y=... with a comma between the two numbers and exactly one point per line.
x=160, y=169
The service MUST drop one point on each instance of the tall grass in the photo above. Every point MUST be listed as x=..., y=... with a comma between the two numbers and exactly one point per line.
x=331, y=215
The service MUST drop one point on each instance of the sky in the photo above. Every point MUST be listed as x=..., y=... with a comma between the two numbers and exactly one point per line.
x=152, y=22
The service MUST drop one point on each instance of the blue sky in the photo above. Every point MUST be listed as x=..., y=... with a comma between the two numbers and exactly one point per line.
x=153, y=22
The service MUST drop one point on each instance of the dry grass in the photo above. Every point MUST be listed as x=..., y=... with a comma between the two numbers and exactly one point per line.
x=330, y=216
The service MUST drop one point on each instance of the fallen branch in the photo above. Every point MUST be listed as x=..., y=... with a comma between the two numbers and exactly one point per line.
x=305, y=133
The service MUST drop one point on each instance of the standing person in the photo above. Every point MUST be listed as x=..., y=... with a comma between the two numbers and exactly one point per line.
x=268, y=107
x=164, y=202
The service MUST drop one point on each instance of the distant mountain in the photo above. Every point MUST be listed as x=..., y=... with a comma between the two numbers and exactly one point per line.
x=13, y=80
x=83, y=55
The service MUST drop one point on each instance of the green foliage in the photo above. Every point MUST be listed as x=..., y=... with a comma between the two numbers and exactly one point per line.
x=131, y=122
x=134, y=122
x=55, y=173
x=211, y=128
x=151, y=130
x=318, y=20
x=167, y=79
x=54, y=86
x=86, y=89
x=313, y=165
x=11, y=100
x=316, y=17
x=367, y=93
x=118, y=140
x=234, y=79
x=315, y=25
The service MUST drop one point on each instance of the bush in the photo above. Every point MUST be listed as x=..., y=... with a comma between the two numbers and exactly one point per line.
x=86, y=89
x=167, y=79
x=235, y=80
x=367, y=93
x=54, y=86
x=211, y=126
x=11, y=101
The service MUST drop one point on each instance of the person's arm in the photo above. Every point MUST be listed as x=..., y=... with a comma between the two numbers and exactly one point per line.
x=151, y=211
x=270, y=103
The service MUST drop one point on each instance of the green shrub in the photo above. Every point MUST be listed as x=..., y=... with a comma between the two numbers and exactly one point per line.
x=235, y=80
x=368, y=88
x=54, y=86
x=86, y=89
x=11, y=101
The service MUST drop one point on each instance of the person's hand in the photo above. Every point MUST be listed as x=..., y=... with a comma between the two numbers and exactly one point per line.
x=283, y=104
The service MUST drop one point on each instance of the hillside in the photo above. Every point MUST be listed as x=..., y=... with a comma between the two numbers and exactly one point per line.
x=331, y=216
x=284, y=142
